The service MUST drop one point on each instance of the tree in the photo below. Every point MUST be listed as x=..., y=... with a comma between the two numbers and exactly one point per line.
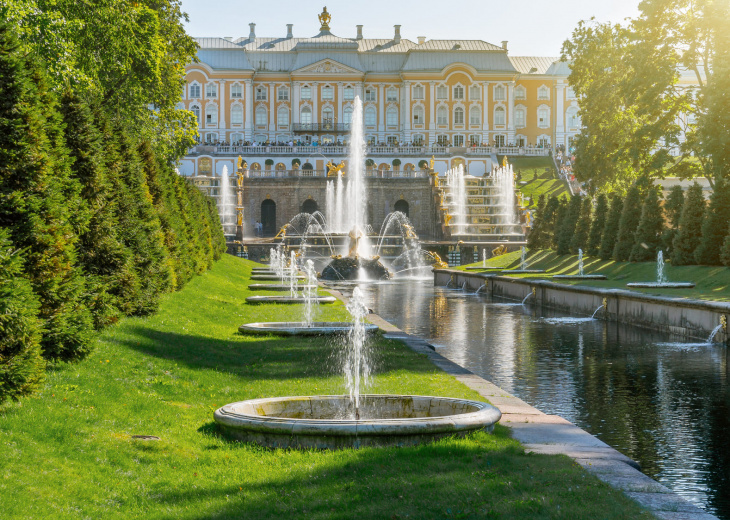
x=610, y=231
x=725, y=251
x=630, y=215
x=689, y=232
x=21, y=364
x=714, y=225
x=536, y=238
x=599, y=222
x=583, y=227
x=561, y=212
x=568, y=224
x=648, y=241
x=673, y=210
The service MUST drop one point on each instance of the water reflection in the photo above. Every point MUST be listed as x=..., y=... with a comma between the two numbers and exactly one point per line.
x=663, y=404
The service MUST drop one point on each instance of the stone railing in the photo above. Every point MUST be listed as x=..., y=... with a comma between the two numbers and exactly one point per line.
x=374, y=174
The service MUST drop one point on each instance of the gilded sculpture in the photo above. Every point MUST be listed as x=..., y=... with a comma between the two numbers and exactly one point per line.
x=355, y=236
x=333, y=169
x=324, y=19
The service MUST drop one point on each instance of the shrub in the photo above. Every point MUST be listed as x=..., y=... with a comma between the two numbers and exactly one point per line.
x=610, y=231
x=630, y=216
x=296, y=163
x=423, y=164
x=536, y=239
x=648, y=240
x=560, y=214
x=568, y=224
x=583, y=227
x=689, y=231
x=269, y=162
x=673, y=211
x=396, y=163
x=714, y=226
x=599, y=222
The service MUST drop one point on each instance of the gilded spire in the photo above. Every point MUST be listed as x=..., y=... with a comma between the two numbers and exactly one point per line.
x=324, y=19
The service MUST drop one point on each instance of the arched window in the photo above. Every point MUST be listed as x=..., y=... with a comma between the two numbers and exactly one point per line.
x=195, y=109
x=306, y=116
x=543, y=117
x=195, y=91
x=328, y=92
x=458, y=92
x=211, y=90
x=475, y=93
x=282, y=116
x=520, y=117
x=442, y=92
x=283, y=94
x=419, y=117
x=236, y=91
x=475, y=116
x=402, y=206
x=305, y=92
x=370, y=117
x=500, y=93
x=261, y=116
x=442, y=116
x=391, y=117
x=309, y=206
x=347, y=115
x=328, y=115
x=236, y=115
x=211, y=114
x=458, y=116
x=499, y=116
x=268, y=217
x=211, y=137
x=543, y=92
x=349, y=93
x=520, y=92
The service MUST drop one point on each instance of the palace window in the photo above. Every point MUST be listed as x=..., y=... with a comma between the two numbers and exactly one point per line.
x=543, y=93
x=500, y=93
x=572, y=118
x=520, y=141
x=458, y=116
x=543, y=141
x=475, y=116
x=283, y=94
x=211, y=138
x=418, y=116
x=543, y=117
x=347, y=115
x=237, y=115
x=328, y=92
x=371, y=94
x=370, y=117
x=418, y=139
x=306, y=116
x=475, y=93
x=195, y=91
x=328, y=115
x=305, y=92
x=458, y=92
x=195, y=109
x=500, y=140
x=349, y=93
x=236, y=91
x=458, y=140
x=211, y=114
x=520, y=92
x=442, y=116
x=211, y=90
x=261, y=116
x=282, y=116
x=520, y=117
x=391, y=117
x=442, y=140
x=570, y=93
x=391, y=94
x=475, y=140
x=392, y=140
x=499, y=116
x=442, y=92
x=419, y=92
x=261, y=93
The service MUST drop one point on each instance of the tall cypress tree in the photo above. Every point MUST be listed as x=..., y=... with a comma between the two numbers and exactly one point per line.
x=40, y=203
x=599, y=222
x=583, y=227
x=725, y=251
x=568, y=225
x=547, y=229
x=535, y=238
x=673, y=211
x=630, y=215
x=648, y=239
x=21, y=364
x=610, y=230
x=561, y=213
x=714, y=226
x=689, y=232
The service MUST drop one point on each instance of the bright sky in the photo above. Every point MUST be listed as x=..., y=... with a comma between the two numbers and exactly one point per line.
x=532, y=27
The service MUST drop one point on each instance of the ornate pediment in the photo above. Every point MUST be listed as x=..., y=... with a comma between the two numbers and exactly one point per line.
x=327, y=66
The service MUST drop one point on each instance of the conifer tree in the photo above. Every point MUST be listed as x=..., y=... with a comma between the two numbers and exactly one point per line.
x=689, y=232
x=568, y=225
x=21, y=364
x=714, y=226
x=535, y=238
x=583, y=227
x=561, y=213
x=673, y=211
x=40, y=203
x=599, y=222
x=648, y=239
x=725, y=251
x=630, y=215
x=547, y=229
x=610, y=230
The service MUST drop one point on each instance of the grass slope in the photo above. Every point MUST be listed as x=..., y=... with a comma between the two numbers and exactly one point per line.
x=541, y=178
x=68, y=452
x=713, y=282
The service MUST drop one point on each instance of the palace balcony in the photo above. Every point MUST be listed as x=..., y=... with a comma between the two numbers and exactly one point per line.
x=326, y=127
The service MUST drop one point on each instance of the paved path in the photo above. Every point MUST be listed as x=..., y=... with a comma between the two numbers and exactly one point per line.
x=551, y=435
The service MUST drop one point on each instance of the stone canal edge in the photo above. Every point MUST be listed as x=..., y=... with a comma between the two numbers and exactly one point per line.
x=552, y=435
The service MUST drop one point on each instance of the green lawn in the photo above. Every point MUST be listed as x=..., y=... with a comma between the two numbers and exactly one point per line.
x=541, y=178
x=67, y=452
x=713, y=282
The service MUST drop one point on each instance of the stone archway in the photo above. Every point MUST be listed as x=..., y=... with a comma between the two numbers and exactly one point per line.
x=310, y=206
x=402, y=206
x=268, y=217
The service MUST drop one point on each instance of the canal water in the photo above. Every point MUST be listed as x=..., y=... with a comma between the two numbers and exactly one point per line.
x=664, y=404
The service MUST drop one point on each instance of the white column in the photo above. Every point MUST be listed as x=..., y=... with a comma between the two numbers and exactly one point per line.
x=511, y=113
x=559, y=132
x=222, y=114
x=406, y=121
x=340, y=95
x=431, y=113
x=315, y=103
x=381, y=109
x=248, y=101
x=272, y=111
x=295, y=102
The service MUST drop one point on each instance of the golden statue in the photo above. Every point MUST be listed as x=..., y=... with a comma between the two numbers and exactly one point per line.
x=528, y=218
x=239, y=221
x=497, y=251
x=410, y=232
x=448, y=219
x=438, y=263
x=240, y=179
x=355, y=236
x=324, y=19
x=433, y=159
x=333, y=170
x=282, y=232
x=504, y=162
x=240, y=163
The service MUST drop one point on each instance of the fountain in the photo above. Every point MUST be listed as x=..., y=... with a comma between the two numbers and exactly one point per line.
x=227, y=204
x=355, y=420
x=661, y=279
x=523, y=265
x=581, y=275
x=288, y=273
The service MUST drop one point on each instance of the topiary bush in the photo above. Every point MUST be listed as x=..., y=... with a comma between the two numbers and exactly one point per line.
x=423, y=164
x=630, y=216
x=648, y=239
x=689, y=231
x=673, y=210
x=610, y=230
x=715, y=224
x=583, y=227
x=599, y=222
x=568, y=224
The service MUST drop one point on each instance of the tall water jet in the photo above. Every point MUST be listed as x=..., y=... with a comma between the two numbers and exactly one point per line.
x=523, y=259
x=580, y=262
x=293, y=275
x=660, y=276
x=504, y=181
x=357, y=366
x=310, y=293
x=456, y=186
x=227, y=204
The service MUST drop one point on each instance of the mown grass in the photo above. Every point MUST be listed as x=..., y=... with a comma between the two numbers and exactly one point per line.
x=540, y=177
x=68, y=451
x=713, y=282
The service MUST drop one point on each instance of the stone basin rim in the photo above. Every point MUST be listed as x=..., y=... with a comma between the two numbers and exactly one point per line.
x=300, y=327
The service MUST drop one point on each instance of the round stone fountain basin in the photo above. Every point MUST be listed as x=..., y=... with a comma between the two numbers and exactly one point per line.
x=300, y=328
x=522, y=271
x=277, y=287
x=265, y=272
x=579, y=277
x=272, y=277
x=657, y=285
x=326, y=422
x=289, y=299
